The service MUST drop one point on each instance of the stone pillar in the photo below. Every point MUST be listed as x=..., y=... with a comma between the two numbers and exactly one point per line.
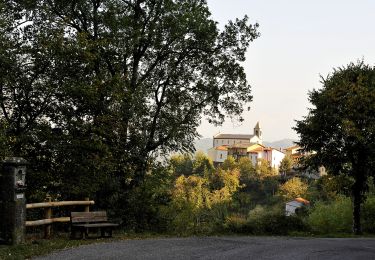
x=12, y=201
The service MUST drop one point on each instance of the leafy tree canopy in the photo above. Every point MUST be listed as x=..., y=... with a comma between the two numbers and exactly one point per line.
x=340, y=127
x=293, y=188
x=264, y=169
x=229, y=163
x=286, y=164
x=202, y=164
x=112, y=84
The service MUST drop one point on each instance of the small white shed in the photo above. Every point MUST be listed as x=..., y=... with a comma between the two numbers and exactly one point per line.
x=291, y=206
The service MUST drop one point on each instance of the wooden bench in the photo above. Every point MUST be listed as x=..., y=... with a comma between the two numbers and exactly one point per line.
x=83, y=221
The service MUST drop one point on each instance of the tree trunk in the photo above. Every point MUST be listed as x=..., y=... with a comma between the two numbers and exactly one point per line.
x=357, y=199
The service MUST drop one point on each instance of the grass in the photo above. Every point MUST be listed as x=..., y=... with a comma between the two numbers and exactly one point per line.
x=37, y=247
x=42, y=247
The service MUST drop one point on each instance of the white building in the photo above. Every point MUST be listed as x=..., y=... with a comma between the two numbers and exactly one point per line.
x=293, y=150
x=231, y=139
x=221, y=142
x=242, y=145
x=293, y=205
x=272, y=155
x=218, y=154
x=296, y=154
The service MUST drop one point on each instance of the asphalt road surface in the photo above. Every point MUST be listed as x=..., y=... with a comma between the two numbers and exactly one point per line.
x=225, y=248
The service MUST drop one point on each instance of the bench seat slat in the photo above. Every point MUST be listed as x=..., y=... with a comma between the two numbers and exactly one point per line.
x=95, y=216
x=96, y=225
x=83, y=221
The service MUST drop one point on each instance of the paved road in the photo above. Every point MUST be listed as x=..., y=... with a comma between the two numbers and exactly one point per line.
x=225, y=248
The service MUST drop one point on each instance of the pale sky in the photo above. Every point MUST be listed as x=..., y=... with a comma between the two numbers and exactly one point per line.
x=299, y=41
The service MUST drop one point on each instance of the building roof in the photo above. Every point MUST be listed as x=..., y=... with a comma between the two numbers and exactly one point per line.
x=241, y=145
x=257, y=125
x=263, y=148
x=257, y=149
x=233, y=136
x=221, y=148
x=292, y=148
x=306, y=202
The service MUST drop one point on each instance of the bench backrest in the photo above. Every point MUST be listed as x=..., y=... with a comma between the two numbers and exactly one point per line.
x=88, y=217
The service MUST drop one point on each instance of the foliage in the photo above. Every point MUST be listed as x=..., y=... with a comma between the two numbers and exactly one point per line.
x=368, y=215
x=202, y=164
x=237, y=224
x=331, y=217
x=266, y=220
x=91, y=92
x=181, y=164
x=286, y=165
x=199, y=205
x=264, y=169
x=333, y=185
x=246, y=168
x=142, y=207
x=229, y=163
x=340, y=128
x=293, y=188
x=42, y=247
x=335, y=216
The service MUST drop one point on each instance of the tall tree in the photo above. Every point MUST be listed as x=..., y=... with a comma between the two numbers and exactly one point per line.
x=146, y=71
x=286, y=165
x=340, y=128
x=27, y=78
x=293, y=188
x=94, y=90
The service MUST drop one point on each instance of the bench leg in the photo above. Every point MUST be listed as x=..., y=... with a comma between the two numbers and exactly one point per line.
x=85, y=233
x=106, y=230
x=73, y=233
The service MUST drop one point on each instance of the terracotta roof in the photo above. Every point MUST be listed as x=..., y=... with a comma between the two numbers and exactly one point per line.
x=296, y=155
x=233, y=136
x=292, y=147
x=258, y=149
x=306, y=202
x=262, y=148
x=222, y=148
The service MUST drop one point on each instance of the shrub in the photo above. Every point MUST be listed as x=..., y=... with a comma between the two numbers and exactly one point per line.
x=368, y=215
x=272, y=221
x=293, y=188
x=238, y=224
x=199, y=205
x=334, y=217
x=266, y=221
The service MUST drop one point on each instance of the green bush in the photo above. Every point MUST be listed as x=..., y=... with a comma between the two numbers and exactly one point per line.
x=333, y=217
x=272, y=221
x=238, y=224
x=266, y=221
x=368, y=215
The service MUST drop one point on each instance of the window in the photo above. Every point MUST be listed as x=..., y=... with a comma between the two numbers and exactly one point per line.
x=221, y=156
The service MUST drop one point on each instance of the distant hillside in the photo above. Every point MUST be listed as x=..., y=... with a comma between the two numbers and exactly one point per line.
x=206, y=143
x=284, y=143
x=203, y=144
